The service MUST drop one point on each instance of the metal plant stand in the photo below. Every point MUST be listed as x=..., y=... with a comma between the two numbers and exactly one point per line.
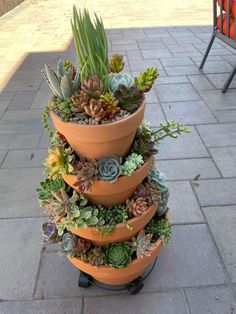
x=219, y=34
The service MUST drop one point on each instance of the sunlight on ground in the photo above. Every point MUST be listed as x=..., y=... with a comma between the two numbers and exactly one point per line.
x=44, y=25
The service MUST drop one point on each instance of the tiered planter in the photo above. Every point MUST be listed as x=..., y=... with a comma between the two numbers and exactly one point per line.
x=98, y=142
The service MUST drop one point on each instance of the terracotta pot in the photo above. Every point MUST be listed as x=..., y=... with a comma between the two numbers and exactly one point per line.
x=121, y=232
x=110, y=194
x=114, y=276
x=98, y=141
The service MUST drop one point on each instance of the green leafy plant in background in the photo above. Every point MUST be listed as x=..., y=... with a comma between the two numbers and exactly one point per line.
x=118, y=255
x=91, y=46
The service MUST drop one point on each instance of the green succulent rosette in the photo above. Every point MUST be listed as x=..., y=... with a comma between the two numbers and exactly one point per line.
x=109, y=168
x=118, y=255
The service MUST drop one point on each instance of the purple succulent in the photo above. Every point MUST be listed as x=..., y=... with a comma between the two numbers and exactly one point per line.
x=49, y=233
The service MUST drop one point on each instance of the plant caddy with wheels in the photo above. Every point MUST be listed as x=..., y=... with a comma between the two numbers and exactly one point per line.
x=106, y=200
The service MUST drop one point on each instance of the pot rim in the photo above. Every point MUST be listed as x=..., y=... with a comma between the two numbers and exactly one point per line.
x=143, y=103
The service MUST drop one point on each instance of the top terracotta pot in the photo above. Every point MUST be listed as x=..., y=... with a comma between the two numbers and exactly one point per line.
x=98, y=141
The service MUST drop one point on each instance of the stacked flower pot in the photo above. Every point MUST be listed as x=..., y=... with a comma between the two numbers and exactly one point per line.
x=106, y=200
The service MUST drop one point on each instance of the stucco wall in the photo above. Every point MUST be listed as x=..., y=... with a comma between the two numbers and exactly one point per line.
x=7, y=5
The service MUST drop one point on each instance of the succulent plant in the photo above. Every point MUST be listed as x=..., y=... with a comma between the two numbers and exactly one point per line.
x=157, y=176
x=58, y=139
x=129, y=97
x=160, y=228
x=110, y=105
x=93, y=87
x=146, y=79
x=68, y=244
x=59, y=161
x=95, y=110
x=143, y=191
x=79, y=101
x=142, y=244
x=159, y=196
x=116, y=79
x=110, y=168
x=91, y=46
x=64, y=108
x=49, y=233
x=62, y=83
x=48, y=185
x=136, y=207
x=144, y=147
x=60, y=205
x=132, y=162
x=116, y=63
x=118, y=255
x=82, y=247
x=96, y=256
x=87, y=175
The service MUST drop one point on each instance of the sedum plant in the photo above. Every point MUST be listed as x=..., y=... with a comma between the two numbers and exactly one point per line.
x=132, y=162
x=109, y=168
x=118, y=255
x=146, y=79
x=142, y=244
x=91, y=46
x=160, y=229
x=116, y=63
x=109, y=105
x=62, y=83
x=59, y=162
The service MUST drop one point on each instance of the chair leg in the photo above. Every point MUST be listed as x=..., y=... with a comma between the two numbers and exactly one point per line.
x=207, y=51
x=229, y=80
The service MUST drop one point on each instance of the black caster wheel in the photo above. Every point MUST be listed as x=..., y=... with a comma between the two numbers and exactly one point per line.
x=135, y=286
x=84, y=280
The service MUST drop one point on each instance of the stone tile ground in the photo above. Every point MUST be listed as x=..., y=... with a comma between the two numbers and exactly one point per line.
x=196, y=273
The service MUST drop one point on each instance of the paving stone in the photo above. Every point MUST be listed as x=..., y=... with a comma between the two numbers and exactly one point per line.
x=54, y=306
x=161, y=303
x=20, y=255
x=217, y=135
x=176, y=62
x=215, y=300
x=171, y=80
x=231, y=59
x=216, y=192
x=156, y=53
x=191, y=259
x=23, y=85
x=22, y=100
x=188, y=169
x=222, y=222
x=2, y=155
x=17, y=192
x=7, y=96
x=187, y=54
x=219, y=80
x=219, y=52
x=187, y=40
x=182, y=70
x=130, y=41
x=134, y=55
x=44, y=141
x=217, y=67
x=186, y=146
x=4, y=104
x=225, y=159
x=25, y=158
x=142, y=65
x=59, y=278
x=17, y=141
x=183, y=204
x=154, y=114
x=225, y=115
x=19, y=122
x=200, y=82
x=124, y=47
x=176, y=92
x=216, y=100
x=41, y=99
x=198, y=59
x=151, y=97
x=151, y=45
x=182, y=48
x=194, y=112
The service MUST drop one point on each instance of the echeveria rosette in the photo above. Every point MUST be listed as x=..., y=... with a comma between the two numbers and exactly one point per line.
x=118, y=255
x=132, y=162
x=116, y=79
x=109, y=168
x=68, y=244
x=49, y=233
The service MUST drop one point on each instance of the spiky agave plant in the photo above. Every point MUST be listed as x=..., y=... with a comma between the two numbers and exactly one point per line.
x=91, y=46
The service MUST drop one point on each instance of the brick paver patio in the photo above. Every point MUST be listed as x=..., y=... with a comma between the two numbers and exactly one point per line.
x=196, y=273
